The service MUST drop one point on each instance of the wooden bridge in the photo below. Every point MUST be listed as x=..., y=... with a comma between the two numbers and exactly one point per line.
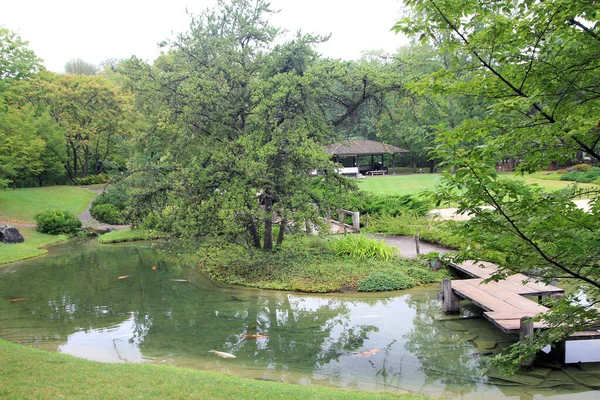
x=503, y=302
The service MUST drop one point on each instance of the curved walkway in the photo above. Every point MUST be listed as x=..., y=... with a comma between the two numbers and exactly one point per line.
x=87, y=221
x=407, y=247
x=452, y=213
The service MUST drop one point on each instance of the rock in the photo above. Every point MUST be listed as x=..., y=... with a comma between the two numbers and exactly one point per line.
x=10, y=234
x=455, y=326
x=467, y=337
x=485, y=344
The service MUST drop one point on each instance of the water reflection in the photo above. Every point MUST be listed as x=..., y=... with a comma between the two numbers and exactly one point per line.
x=174, y=315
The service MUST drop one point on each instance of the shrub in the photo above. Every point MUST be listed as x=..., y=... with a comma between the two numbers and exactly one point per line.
x=393, y=205
x=422, y=275
x=91, y=180
x=57, y=222
x=581, y=176
x=382, y=281
x=107, y=213
x=117, y=196
x=581, y=167
x=360, y=247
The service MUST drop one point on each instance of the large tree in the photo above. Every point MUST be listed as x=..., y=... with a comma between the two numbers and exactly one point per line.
x=237, y=128
x=77, y=66
x=538, y=63
x=96, y=116
x=17, y=61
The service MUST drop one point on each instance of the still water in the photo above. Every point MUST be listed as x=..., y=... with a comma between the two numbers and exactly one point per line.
x=172, y=314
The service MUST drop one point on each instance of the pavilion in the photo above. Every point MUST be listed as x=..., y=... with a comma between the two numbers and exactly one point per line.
x=352, y=153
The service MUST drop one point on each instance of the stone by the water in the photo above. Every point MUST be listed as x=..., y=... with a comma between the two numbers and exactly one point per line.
x=455, y=326
x=10, y=234
x=485, y=344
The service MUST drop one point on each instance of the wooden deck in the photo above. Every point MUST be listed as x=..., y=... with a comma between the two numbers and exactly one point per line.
x=503, y=301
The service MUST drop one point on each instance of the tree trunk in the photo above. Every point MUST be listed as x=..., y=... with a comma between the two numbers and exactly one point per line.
x=75, y=166
x=268, y=238
x=253, y=233
x=86, y=164
x=282, y=226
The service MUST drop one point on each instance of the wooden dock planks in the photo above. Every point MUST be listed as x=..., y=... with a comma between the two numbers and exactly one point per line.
x=502, y=301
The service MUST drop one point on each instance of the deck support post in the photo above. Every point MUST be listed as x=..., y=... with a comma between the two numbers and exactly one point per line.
x=356, y=220
x=451, y=302
x=526, y=330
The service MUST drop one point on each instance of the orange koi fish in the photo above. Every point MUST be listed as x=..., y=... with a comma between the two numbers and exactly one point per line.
x=17, y=300
x=367, y=353
x=253, y=336
x=123, y=277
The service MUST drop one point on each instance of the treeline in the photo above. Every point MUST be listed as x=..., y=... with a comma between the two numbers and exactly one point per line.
x=59, y=128
x=73, y=127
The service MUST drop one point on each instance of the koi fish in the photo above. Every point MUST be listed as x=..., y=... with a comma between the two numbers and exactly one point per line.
x=253, y=336
x=367, y=353
x=17, y=300
x=123, y=277
x=222, y=354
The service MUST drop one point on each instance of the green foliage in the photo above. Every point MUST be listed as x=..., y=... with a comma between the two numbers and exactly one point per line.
x=422, y=275
x=129, y=235
x=91, y=180
x=383, y=281
x=428, y=229
x=117, y=196
x=302, y=263
x=107, y=213
x=582, y=175
x=581, y=167
x=360, y=247
x=56, y=222
x=79, y=67
x=17, y=61
x=537, y=63
x=393, y=205
x=96, y=117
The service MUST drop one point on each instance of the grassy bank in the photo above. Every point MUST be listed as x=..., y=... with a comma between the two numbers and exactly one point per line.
x=31, y=373
x=308, y=264
x=129, y=235
x=32, y=247
x=21, y=205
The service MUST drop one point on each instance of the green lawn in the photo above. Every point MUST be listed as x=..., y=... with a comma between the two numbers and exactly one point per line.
x=32, y=247
x=20, y=205
x=27, y=373
x=415, y=183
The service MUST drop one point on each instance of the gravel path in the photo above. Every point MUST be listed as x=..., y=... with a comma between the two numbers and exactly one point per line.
x=407, y=247
x=87, y=221
x=451, y=213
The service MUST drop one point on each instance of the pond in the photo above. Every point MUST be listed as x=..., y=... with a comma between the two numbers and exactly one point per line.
x=73, y=302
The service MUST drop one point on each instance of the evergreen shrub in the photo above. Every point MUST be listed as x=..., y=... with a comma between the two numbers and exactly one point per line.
x=381, y=281
x=107, y=213
x=56, y=222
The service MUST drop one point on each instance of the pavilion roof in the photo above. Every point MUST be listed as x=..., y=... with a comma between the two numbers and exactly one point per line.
x=353, y=147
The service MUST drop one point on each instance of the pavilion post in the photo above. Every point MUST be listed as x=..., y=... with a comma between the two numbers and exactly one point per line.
x=394, y=163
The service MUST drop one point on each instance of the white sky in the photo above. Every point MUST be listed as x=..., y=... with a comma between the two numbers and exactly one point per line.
x=61, y=30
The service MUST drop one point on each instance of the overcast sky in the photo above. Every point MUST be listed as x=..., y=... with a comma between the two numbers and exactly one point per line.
x=61, y=30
